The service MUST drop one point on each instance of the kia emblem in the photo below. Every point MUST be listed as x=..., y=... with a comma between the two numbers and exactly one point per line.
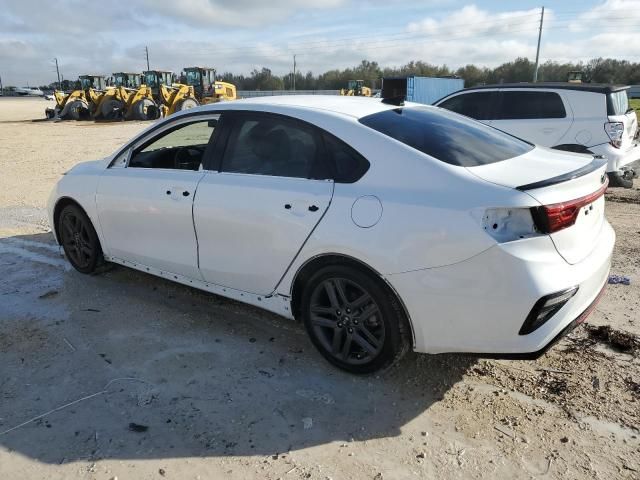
x=602, y=177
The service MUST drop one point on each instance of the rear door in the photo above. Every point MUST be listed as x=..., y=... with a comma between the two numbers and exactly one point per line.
x=538, y=116
x=254, y=213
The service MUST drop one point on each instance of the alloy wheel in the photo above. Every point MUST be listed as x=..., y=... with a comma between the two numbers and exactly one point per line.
x=76, y=240
x=347, y=321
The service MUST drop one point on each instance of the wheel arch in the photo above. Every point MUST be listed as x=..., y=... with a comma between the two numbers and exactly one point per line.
x=57, y=210
x=313, y=264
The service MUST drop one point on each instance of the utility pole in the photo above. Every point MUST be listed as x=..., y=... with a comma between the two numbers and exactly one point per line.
x=146, y=51
x=58, y=73
x=535, y=72
x=294, y=71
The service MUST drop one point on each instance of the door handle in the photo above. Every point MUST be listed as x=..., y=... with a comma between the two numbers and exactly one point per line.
x=313, y=208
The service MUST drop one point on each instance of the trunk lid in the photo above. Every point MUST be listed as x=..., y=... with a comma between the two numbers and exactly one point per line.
x=555, y=178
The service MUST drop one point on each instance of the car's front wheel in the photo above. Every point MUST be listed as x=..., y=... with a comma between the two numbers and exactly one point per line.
x=354, y=319
x=79, y=239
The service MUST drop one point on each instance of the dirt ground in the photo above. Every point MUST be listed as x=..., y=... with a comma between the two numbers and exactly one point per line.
x=123, y=375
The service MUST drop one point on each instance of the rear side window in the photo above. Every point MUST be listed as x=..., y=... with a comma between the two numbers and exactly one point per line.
x=348, y=165
x=527, y=105
x=475, y=105
x=617, y=103
x=447, y=136
x=265, y=145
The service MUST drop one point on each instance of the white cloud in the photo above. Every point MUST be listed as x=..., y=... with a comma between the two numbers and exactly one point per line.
x=623, y=14
x=239, y=13
x=470, y=21
x=89, y=37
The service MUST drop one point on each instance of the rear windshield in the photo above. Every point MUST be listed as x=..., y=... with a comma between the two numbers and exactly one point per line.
x=447, y=136
x=617, y=103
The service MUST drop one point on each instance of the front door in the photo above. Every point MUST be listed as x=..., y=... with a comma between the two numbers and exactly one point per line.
x=253, y=216
x=145, y=200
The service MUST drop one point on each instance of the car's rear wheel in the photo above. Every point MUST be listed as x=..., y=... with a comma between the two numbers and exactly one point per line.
x=79, y=239
x=354, y=320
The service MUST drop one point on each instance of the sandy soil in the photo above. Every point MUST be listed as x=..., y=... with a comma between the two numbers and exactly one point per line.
x=143, y=379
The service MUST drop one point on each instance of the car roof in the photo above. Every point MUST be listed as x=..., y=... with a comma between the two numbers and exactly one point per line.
x=357, y=107
x=584, y=87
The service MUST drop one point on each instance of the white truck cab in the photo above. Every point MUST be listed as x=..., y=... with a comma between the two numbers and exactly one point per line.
x=581, y=118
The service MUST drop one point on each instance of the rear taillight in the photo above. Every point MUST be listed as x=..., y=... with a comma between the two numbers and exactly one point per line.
x=554, y=217
x=615, y=132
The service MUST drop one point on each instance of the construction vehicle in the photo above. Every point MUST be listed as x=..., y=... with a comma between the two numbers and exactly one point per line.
x=576, y=76
x=78, y=103
x=205, y=86
x=356, y=88
x=169, y=97
x=154, y=78
x=128, y=98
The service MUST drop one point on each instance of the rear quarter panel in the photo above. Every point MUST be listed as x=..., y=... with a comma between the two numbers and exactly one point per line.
x=431, y=211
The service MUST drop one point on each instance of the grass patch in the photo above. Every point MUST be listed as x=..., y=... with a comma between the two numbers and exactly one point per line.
x=635, y=104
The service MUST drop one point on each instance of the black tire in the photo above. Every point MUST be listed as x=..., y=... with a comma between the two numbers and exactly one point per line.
x=111, y=109
x=355, y=334
x=79, y=240
x=617, y=180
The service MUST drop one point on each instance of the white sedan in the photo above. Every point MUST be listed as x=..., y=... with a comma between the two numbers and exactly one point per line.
x=382, y=227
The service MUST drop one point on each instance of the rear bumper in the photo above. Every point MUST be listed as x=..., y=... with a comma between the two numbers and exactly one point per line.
x=479, y=305
x=569, y=328
x=617, y=159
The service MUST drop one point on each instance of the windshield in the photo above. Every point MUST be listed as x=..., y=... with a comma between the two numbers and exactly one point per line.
x=618, y=103
x=119, y=80
x=150, y=80
x=133, y=81
x=447, y=136
x=193, y=77
x=86, y=83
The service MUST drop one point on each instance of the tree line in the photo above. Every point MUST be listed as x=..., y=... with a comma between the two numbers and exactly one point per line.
x=598, y=70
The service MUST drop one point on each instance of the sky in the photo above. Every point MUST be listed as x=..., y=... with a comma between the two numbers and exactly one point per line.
x=241, y=35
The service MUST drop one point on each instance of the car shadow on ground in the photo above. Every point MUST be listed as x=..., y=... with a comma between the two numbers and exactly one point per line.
x=136, y=367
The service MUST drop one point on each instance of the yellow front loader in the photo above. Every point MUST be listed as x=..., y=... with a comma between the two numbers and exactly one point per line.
x=356, y=88
x=78, y=104
x=128, y=98
x=177, y=97
x=169, y=97
x=206, y=88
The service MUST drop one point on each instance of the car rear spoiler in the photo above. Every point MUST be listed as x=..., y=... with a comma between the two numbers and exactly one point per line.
x=598, y=162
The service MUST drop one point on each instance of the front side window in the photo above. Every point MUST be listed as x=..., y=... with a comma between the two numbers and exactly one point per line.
x=519, y=105
x=265, y=145
x=476, y=105
x=447, y=136
x=181, y=148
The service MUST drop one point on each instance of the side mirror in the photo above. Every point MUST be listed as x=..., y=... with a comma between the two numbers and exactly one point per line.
x=213, y=123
